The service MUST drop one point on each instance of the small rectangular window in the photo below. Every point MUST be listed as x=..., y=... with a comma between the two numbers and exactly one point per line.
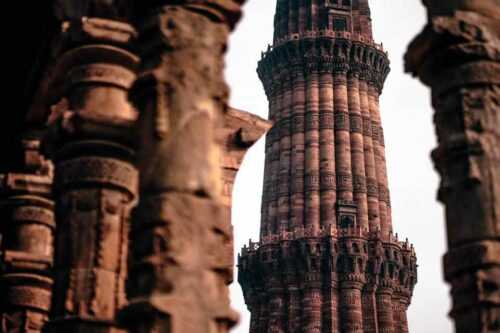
x=340, y=24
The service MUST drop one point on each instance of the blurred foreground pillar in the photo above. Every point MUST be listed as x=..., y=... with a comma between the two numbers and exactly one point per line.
x=458, y=56
x=181, y=258
x=26, y=239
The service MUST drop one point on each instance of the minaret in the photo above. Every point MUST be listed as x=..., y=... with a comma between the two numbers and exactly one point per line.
x=328, y=260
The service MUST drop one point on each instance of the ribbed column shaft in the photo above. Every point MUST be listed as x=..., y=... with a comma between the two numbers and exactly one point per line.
x=342, y=138
x=293, y=15
x=330, y=308
x=380, y=164
x=311, y=305
x=275, y=159
x=371, y=172
x=294, y=309
x=267, y=186
x=351, y=309
x=264, y=313
x=370, y=324
x=384, y=311
x=312, y=197
x=302, y=15
x=277, y=311
x=400, y=306
x=285, y=153
x=327, y=151
x=314, y=14
x=298, y=150
x=357, y=151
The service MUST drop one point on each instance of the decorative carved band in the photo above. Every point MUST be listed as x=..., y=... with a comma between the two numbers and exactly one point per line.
x=342, y=121
x=372, y=187
x=298, y=123
x=96, y=170
x=312, y=181
x=101, y=73
x=356, y=123
x=359, y=184
x=326, y=121
x=375, y=131
x=367, y=127
x=325, y=55
x=312, y=121
x=344, y=182
x=328, y=181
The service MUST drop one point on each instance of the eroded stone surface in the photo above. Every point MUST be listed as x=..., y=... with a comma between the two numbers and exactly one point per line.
x=466, y=95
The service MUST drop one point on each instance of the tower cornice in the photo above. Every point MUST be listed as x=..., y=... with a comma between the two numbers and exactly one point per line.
x=324, y=54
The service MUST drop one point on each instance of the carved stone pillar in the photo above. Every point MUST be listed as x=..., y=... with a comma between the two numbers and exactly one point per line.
x=380, y=163
x=179, y=265
x=351, y=308
x=371, y=172
x=385, y=309
x=357, y=150
x=298, y=149
x=327, y=150
x=277, y=308
x=342, y=137
x=285, y=153
x=465, y=96
x=95, y=182
x=26, y=245
x=312, y=153
x=370, y=323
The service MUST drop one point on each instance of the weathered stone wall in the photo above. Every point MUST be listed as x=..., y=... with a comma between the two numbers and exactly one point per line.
x=458, y=56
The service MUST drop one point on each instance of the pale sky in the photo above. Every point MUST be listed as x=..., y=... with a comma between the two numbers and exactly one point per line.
x=407, y=121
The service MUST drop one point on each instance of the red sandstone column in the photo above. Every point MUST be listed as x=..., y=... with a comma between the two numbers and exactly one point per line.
x=181, y=264
x=331, y=293
x=285, y=19
x=464, y=75
x=264, y=312
x=95, y=182
x=384, y=310
x=327, y=151
x=371, y=172
x=400, y=305
x=275, y=157
x=314, y=14
x=370, y=323
x=267, y=186
x=272, y=138
x=311, y=281
x=26, y=244
x=312, y=165
x=276, y=310
x=293, y=17
x=285, y=153
x=302, y=15
x=298, y=150
x=294, y=308
x=342, y=137
x=357, y=150
x=380, y=164
x=351, y=309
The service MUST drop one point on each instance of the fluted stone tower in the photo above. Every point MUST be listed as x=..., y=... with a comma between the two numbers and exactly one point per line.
x=328, y=260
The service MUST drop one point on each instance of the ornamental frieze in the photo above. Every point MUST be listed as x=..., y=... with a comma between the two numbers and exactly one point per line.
x=325, y=55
